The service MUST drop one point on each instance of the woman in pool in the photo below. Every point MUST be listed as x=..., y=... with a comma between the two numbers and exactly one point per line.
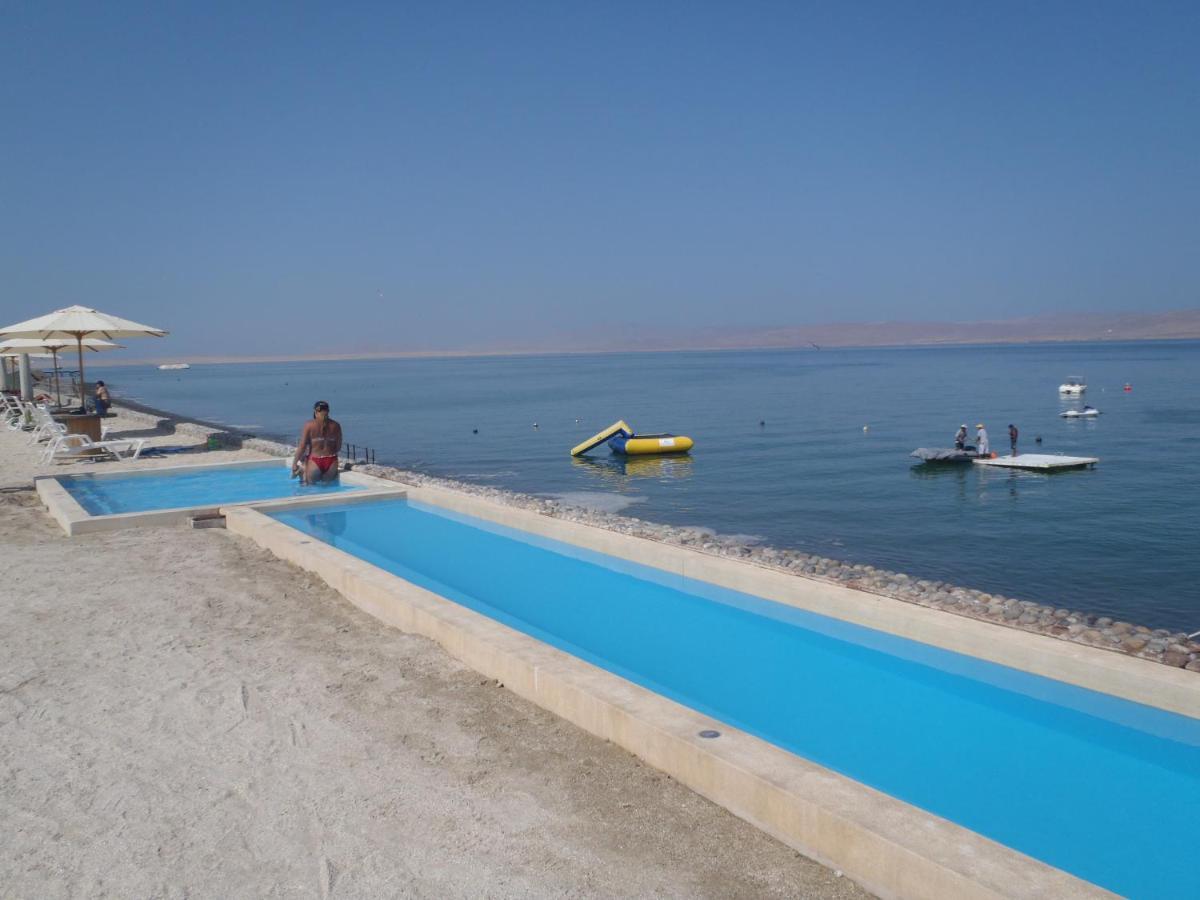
x=319, y=445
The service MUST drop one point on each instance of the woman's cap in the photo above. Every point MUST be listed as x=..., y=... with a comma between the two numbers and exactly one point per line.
x=321, y=404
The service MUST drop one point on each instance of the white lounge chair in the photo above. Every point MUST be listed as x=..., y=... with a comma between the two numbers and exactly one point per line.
x=12, y=411
x=19, y=412
x=67, y=447
x=43, y=423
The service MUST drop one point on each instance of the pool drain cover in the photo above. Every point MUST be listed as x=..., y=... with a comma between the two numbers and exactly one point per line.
x=709, y=733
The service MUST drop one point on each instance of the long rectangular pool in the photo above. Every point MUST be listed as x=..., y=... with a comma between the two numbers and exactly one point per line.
x=1100, y=787
x=103, y=495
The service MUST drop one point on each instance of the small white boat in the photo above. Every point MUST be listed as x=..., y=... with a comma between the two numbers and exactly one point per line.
x=1074, y=385
x=169, y=367
x=1088, y=412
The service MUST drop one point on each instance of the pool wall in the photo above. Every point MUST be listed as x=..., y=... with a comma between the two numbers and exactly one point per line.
x=74, y=519
x=889, y=846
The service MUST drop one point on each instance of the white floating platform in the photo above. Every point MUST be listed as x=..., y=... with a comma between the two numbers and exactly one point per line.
x=1043, y=461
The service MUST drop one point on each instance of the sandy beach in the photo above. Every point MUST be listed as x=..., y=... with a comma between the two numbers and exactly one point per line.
x=182, y=714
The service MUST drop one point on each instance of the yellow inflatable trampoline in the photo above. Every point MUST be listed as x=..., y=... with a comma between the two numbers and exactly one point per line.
x=621, y=439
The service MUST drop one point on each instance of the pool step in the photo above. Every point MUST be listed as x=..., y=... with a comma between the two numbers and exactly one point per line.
x=210, y=520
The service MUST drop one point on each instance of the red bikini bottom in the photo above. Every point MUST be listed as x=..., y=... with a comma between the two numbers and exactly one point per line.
x=323, y=462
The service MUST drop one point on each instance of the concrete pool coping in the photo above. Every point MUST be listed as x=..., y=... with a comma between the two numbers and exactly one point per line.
x=885, y=844
x=74, y=519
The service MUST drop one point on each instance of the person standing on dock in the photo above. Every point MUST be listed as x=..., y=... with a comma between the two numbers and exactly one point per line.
x=981, y=440
x=1013, y=433
x=960, y=438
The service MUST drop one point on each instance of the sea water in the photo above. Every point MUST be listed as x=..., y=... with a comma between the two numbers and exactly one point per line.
x=801, y=448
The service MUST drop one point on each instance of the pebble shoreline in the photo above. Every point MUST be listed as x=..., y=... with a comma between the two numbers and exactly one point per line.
x=1170, y=648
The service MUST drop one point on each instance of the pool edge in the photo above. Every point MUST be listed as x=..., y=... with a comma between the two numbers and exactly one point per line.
x=1141, y=681
x=888, y=846
x=75, y=520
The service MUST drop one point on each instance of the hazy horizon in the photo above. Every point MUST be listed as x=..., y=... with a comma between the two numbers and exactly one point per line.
x=1124, y=328
x=303, y=179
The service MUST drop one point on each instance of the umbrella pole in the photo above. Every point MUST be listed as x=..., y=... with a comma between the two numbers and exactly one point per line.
x=57, y=381
x=82, y=383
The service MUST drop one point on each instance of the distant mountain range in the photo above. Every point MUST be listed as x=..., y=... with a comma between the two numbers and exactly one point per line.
x=1182, y=324
x=1179, y=325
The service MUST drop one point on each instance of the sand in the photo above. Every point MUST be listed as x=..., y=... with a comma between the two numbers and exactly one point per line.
x=181, y=714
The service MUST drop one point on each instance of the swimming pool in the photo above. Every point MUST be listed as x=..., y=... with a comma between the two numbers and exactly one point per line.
x=1098, y=786
x=190, y=486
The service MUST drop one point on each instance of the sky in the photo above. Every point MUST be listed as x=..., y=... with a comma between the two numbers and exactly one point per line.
x=362, y=177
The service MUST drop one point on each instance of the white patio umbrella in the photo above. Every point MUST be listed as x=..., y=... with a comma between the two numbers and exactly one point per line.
x=77, y=323
x=33, y=346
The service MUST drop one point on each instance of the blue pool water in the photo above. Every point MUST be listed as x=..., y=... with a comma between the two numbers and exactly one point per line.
x=1101, y=787
x=143, y=492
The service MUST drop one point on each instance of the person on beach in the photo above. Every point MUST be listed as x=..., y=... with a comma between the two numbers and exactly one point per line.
x=1013, y=434
x=960, y=438
x=981, y=440
x=316, y=459
x=102, y=400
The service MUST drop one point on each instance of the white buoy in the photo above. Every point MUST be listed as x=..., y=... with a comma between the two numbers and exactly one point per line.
x=866, y=428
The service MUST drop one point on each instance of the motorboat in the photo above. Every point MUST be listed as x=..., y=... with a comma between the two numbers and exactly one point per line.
x=171, y=367
x=945, y=454
x=1088, y=412
x=1073, y=386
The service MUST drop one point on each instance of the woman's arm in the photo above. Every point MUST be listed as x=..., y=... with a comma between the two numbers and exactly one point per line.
x=304, y=444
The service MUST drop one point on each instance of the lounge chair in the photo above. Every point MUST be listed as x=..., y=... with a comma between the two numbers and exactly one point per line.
x=67, y=447
x=44, y=425
x=12, y=411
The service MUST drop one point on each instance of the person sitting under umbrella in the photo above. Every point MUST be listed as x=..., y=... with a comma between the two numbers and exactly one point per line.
x=102, y=399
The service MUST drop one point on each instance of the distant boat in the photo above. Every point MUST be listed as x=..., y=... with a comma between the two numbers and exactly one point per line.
x=1074, y=385
x=945, y=454
x=1088, y=412
x=165, y=367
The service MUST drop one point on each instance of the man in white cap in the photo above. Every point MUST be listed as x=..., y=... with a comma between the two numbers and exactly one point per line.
x=960, y=437
x=981, y=440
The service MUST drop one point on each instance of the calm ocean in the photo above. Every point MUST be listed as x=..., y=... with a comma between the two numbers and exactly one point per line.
x=1122, y=539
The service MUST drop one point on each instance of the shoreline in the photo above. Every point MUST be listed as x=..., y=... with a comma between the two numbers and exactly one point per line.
x=1160, y=645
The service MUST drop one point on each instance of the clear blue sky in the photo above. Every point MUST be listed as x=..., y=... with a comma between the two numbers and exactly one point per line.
x=358, y=176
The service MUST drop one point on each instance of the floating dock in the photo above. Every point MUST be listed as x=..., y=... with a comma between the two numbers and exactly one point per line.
x=1041, y=461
